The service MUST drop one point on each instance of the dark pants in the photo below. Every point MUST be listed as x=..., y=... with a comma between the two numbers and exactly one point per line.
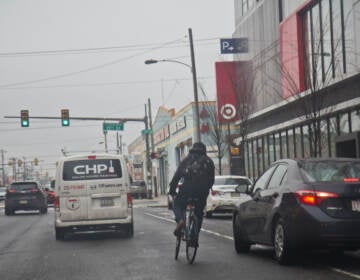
x=180, y=204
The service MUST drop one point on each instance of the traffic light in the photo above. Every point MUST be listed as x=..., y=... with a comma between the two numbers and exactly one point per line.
x=65, y=119
x=24, y=118
x=154, y=155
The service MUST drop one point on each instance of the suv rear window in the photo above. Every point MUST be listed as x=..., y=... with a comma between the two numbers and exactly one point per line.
x=23, y=186
x=92, y=169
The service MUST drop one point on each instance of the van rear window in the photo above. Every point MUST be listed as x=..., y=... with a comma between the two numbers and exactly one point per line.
x=92, y=169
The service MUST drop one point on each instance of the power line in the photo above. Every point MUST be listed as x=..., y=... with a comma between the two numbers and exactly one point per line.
x=135, y=47
x=86, y=69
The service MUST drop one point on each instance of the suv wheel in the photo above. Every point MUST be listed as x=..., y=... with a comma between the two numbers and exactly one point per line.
x=43, y=210
x=9, y=212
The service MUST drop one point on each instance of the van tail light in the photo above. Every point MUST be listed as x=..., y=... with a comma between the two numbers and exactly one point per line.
x=57, y=204
x=129, y=200
x=313, y=198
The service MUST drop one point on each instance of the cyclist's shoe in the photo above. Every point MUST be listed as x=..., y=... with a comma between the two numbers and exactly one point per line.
x=179, y=227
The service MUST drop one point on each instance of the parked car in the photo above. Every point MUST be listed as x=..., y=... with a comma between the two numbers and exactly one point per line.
x=26, y=195
x=301, y=204
x=223, y=196
x=138, y=189
x=2, y=193
x=50, y=194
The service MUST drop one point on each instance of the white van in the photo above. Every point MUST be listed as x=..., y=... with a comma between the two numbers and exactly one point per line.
x=92, y=193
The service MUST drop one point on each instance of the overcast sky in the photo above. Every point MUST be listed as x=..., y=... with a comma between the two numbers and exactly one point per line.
x=88, y=56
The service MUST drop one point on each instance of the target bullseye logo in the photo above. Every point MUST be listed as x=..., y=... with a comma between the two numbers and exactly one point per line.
x=228, y=111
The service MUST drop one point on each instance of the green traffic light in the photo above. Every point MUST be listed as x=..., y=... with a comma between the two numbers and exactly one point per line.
x=24, y=123
x=65, y=122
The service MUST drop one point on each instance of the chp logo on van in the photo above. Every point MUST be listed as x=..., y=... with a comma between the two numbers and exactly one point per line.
x=94, y=169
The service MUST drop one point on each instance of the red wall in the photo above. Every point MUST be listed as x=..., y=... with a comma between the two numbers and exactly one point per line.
x=226, y=92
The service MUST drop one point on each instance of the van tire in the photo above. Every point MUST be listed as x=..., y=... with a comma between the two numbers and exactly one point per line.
x=59, y=233
x=129, y=230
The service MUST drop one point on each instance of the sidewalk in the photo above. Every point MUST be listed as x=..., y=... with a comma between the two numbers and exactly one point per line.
x=159, y=201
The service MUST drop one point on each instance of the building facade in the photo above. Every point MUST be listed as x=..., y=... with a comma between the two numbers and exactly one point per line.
x=305, y=70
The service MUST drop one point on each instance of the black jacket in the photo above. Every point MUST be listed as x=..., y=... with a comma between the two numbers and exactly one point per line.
x=188, y=188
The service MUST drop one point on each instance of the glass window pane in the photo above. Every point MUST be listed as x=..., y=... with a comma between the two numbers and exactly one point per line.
x=271, y=148
x=344, y=123
x=298, y=142
x=291, y=143
x=337, y=43
x=306, y=139
x=324, y=139
x=326, y=53
x=333, y=133
x=355, y=120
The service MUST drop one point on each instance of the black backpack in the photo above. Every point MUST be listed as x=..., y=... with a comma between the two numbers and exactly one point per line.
x=196, y=170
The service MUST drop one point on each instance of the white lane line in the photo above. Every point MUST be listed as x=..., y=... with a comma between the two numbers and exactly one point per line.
x=356, y=276
x=203, y=229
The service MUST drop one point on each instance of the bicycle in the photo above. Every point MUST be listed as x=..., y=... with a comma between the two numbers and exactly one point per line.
x=189, y=233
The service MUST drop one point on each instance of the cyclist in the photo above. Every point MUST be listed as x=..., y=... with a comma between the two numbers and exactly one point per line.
x=198, y=173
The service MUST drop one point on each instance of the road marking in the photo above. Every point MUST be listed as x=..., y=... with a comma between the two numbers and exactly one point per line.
x=356, y=276
x=203, y=229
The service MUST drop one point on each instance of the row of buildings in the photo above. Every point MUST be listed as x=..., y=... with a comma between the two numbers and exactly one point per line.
x=295, y=93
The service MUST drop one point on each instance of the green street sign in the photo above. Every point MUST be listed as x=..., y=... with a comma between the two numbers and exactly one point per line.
x=113, y=126
x=146, y=131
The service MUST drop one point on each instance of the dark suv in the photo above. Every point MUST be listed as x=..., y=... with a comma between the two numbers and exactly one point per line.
x=25, y=196
x=138, y=189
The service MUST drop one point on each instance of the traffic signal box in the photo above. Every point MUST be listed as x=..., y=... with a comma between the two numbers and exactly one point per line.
x=65, y=118
x=24, y=118
x=154, y=155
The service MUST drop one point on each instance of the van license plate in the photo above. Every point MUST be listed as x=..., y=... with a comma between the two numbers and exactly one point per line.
x=355, y=205
x=23, y=201
x=106, y=202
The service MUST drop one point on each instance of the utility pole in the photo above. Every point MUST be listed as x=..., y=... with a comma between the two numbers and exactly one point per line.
x=153, y=180
x=3, y=167
x=147, y=157
x=196, y=98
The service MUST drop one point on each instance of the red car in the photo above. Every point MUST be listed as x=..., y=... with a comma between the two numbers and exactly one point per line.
x=50, y=194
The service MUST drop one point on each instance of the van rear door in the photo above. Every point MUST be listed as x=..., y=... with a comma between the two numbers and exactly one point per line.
x=100, y=191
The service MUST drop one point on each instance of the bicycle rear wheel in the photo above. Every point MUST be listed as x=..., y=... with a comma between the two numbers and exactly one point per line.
x=177, y=246
x=191, y=242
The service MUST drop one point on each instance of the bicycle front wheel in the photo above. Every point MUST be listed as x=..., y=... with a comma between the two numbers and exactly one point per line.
x=177, y=246
x=192, y=241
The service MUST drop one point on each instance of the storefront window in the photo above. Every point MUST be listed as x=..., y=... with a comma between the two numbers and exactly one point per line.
x=344, y=123
x=324, y=148
x=355, y=120
x=333, y=133
x=271, y=148
x=306, y=139
x=291, y=143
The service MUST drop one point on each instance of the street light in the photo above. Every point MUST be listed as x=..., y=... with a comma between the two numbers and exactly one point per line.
x=193, y=71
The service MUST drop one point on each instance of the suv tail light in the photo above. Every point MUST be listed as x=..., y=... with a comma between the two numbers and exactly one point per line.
x=57, y=203
x=10, y=191
x=35, y=190
x=309, y=197
x=129, y=200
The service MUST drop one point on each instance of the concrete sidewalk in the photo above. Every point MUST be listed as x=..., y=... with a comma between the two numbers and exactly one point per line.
x=159, y=201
